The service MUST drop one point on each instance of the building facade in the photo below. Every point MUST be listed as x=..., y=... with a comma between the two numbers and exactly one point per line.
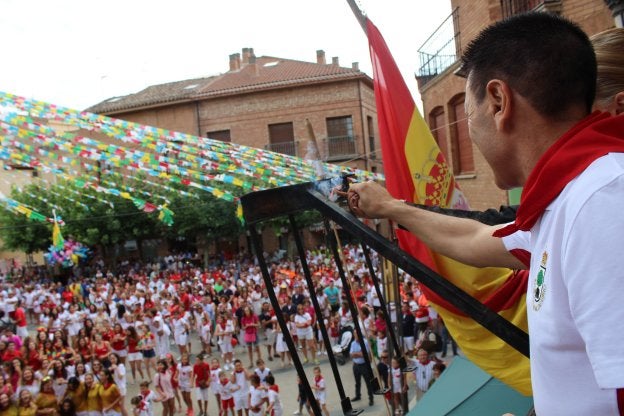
x=442, y=90
x=266, y=102
x=269, y=103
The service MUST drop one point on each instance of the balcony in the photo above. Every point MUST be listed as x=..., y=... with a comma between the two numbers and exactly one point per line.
x=339, y=148
x=441, y=50
x=512, y=7
x=285, y=148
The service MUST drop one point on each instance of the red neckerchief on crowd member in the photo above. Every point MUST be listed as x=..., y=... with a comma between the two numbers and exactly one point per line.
x=591, y=138
x=275, y=388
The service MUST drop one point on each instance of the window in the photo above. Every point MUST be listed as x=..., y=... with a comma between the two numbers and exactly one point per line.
x=282, y=139
x=463, y=162
x=281, y=133
x=340, y=126
x=340, y=142
x=221, y=135
x=437, y=124
x=372, y=151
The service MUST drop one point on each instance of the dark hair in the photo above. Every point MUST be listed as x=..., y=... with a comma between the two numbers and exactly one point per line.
x=70, y=411
x=439, y=366
x=545, y=58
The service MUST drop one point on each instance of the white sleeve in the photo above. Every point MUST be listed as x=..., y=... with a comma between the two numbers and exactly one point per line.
x=593, y=272
x=520, y=240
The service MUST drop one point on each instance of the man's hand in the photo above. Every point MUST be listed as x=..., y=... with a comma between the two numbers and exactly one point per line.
x=369, y=200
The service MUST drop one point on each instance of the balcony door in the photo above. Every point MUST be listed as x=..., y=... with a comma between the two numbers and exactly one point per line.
x=282, y=138
x=340, y=142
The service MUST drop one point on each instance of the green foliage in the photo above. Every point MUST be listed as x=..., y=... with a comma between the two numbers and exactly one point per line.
x=206, y=218
x=22, y=234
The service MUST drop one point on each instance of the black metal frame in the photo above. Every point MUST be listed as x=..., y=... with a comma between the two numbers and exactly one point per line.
x=268, y=204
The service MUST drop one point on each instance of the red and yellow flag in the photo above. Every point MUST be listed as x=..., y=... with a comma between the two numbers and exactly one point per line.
x=416, y=171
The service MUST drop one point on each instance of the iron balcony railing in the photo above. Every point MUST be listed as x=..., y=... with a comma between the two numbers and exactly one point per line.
x=339, y=148
x=285, y=148
x=512, y=7
x=440, y=50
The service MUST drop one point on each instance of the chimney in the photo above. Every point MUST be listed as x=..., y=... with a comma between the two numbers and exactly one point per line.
x=320, y=57
x=253, y=65
x=355, y=66
x=335, y=61
x=235, y=62
x=247, y=52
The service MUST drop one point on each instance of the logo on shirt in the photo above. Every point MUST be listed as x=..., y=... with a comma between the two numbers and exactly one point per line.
x=539, y=285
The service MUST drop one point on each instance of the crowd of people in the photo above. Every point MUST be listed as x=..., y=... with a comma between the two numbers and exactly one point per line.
x=74, y=348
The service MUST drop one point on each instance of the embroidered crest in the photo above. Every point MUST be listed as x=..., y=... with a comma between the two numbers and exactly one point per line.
x=539, y=284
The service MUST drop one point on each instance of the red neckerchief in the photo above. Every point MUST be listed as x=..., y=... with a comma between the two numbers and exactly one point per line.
x=225, y=382
x=317, y=379
x=275, y=388
x=591, y=138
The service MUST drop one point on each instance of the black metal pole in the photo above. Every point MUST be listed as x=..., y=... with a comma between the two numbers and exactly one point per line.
x=377, y=389
x=393, y=339
x=345, y=402
x=255, y=239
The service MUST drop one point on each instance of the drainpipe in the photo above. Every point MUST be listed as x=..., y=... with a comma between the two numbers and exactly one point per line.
x=366, y=167
x=197, y=116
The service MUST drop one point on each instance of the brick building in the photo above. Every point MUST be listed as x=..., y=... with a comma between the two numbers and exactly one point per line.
x=443, y=92
x=264, y=102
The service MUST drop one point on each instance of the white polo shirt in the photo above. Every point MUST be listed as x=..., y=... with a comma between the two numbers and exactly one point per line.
x=574, y=298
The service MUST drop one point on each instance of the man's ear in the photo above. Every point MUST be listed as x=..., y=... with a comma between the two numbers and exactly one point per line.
x=499, y=98
x=618, y=103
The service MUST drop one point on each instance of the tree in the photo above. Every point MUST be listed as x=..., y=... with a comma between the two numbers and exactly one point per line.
x=18, y=232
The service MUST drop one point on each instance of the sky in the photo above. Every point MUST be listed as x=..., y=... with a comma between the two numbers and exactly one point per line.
x=77, y=53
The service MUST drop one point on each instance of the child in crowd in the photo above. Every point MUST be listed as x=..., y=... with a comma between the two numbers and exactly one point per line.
x=275, y=405
x=262, y=371
x=438, y=369
x=140, y=407
x=257, y=396
x=223, y=331
x=185, y=373
x=201, y=380
x=397, y=384
x=382, y=343
x=226, y=392
x=215, y=370
x=280, y=343
x=301, y=398
x=334, y=329
x=206, y=333
x=240, y=377
x=319, y=390
x=149, y=397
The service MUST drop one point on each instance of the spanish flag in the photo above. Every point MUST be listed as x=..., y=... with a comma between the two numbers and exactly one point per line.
x=417, y=171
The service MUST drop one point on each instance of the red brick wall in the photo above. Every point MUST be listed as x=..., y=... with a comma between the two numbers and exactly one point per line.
x=180, y=117
x=247, y=116
x=592, y=15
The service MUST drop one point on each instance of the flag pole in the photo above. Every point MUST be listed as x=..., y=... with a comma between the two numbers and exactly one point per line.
x=359, y=15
